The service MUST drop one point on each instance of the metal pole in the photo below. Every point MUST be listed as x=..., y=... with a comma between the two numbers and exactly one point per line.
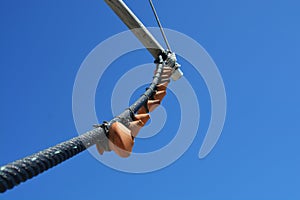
x=142, y=33
x=136, y=26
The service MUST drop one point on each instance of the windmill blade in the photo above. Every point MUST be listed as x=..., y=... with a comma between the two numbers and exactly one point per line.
x=136, y=26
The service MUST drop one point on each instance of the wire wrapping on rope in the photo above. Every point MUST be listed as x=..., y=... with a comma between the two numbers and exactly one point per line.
x=21, y=170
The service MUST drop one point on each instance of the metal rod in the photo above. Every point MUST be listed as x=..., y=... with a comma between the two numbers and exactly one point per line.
x=136, y=26
x=160, y=26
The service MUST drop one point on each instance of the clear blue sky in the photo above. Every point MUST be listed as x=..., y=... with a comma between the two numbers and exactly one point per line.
x=256, y=46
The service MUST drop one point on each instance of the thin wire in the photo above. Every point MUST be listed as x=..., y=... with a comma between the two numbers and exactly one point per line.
x=159, y=24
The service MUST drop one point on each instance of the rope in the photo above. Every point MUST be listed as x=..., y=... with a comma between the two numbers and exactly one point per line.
x=21, y=170
x=24, y=169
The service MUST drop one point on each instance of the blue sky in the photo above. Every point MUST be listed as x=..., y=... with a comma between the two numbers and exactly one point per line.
x=256, y=47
